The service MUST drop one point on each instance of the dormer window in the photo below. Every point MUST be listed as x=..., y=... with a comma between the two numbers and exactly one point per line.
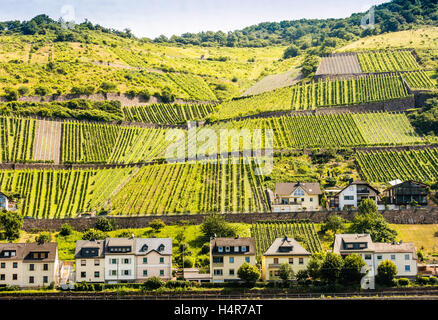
x=6, y=254
x=144, y=248
x=227, y=249
x=243, y=249
x=13, y=253
x=299, y=192
x=349, y=246
x=220, y=249
x=236, y=249
x=161, y=248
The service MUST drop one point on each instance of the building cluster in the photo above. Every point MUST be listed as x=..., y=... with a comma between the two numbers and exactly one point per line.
x=299, y=196
x=133, y=260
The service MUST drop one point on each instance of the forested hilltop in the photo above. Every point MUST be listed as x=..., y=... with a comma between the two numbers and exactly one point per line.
x=394, y=16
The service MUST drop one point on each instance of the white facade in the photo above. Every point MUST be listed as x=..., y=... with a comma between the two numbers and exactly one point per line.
x=352, y=195
x=119, y=267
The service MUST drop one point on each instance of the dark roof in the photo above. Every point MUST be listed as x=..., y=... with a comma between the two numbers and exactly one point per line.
x=234, y=242
x=287, y=188
x=99, y=244
x=360, y=182
x=341, y=239
x=408, y=181
x=24, y=250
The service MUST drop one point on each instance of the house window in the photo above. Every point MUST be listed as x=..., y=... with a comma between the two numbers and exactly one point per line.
x=218, y=260
x=217, y=272
x=126, y=261
x=220, y=249
x=379, y=257
x=113, y=261
x=407, y=268
x=231, y=259
x=392, y=256
x=145, y=273
x=284, y=201
x=231, y=272
x=45, y=267
x=3, y=265
x=291, y=260
x=299, y=192
x=348, y=197
x=126, y=272
x=14, y=276
x=45, y=279
x=301, y=261
x=12, y=253
x=83, y=274
x=367, y=257
x=31, y=279
x=247, y=259
x=311, y=199
x=31, y=267
x=145, y=260
x=97, y=262
x=236, y=249
x=243, y=249
x=113, y=272
x=161, y=260
x=96, y=274
x=161, y=273
x=406, y=257
x=349, y=246
x=275, y=260
x=2, y=277
x=227, y=249
x=83, y=263
x=15, y=265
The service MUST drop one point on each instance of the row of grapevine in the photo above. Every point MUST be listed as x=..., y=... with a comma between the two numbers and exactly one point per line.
x=384, y=166
x=103, y=143
x=332, y=130
x=17, y=139
x=388, y=61
x=264, y=234
x=167, y=113
x=191, y=188
x=327, y=93
x=48, y=193
x=419, y=80
x=194, y=85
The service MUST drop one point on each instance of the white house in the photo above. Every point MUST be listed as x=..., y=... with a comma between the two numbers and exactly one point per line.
x=353, y=194
x=120, y=260
x=6, y=203
x=402, y=254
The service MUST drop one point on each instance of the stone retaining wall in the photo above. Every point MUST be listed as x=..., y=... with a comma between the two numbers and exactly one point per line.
x=427, y=215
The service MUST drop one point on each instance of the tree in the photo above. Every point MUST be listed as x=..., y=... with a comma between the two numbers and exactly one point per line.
x=285, y=272
x=93, y=234
x=10, y=224
x=104, y=224
x=367, y=206
x=334, y=223
x=386, y=271
x=66, y=230
x=291, y=52
x=43, y=238
x=215, y=224
x=11, y=94
x=351, y=269
x=314, y=265
x=248, y=273
x=375, y=225
x=157, y=224
x=331, y=267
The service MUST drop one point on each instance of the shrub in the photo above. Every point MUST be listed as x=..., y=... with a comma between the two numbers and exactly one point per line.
x=43, y=238
x=403, y=282
x=386, y=272
x=423, y=281
x=23, y=90
x=157, y=224
x=41, y=91
x=205, y=248
x=11, y=94
x=152, y=283
x=93, y=234
x=215, y=224
x=188, y=262
x=433, y=280
x=180, y=284
x=104, y=224
x=66, y=230
x=248, y=273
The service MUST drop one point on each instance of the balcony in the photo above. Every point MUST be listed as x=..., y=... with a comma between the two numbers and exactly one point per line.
x=363, y=191
x=274, y=266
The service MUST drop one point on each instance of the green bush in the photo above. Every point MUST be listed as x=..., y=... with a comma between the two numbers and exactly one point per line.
x=433, y=280
x=423, y=281
x=152, y=283
x=403, y=282
x=172, y=284
x=66, y=230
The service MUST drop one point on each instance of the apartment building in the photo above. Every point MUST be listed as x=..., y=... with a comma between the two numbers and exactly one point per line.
x=120, y=260
x=90, y=261
x=283, y=250
x=153, y=258
x=227, y=255
x=29, y=265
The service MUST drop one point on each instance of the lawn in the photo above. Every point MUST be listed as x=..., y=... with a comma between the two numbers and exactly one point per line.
x=424, y=236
